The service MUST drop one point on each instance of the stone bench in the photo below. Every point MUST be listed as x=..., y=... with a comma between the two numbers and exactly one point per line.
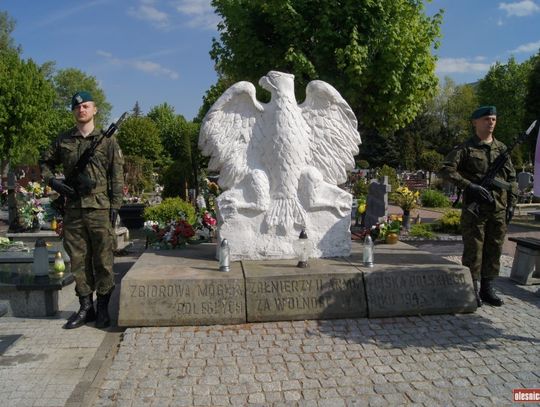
x=526, y=265
x=24, y=294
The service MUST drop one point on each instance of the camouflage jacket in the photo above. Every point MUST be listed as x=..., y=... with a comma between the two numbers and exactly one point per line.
x=106, y=168
x=470, y=161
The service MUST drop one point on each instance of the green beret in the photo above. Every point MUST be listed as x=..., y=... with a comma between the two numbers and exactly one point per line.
x=80, y=97
x=484, y=111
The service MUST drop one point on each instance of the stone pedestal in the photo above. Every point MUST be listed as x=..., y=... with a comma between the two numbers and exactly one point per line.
x=280, y=291
x=408, y=281
x=184, y=287
x=181, y=287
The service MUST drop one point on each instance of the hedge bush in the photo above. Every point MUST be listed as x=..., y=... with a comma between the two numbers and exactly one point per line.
x=432, y=198
x=449, y=223
x=421, y=230
x=171, y=209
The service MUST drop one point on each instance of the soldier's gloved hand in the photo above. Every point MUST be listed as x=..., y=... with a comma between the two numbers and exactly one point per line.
x=509, y=214
x=113, y=216
x=62, y=188
x=479, y=193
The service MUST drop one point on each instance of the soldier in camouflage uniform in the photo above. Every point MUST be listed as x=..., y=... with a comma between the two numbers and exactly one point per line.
x=483, y=235
x=91, y=208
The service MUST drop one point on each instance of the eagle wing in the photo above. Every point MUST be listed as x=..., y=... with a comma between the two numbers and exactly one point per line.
x=334, y=135
x=228, y=130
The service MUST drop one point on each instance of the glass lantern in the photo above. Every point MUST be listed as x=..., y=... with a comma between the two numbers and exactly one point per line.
x=224, y=256
x=302, y=249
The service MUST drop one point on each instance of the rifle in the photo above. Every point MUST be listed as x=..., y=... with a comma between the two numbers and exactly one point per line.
x=77, y=179
x=489, y=181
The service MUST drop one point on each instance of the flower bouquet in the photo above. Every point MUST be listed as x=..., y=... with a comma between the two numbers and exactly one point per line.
x=169, y=236
x=385, y=231
x=174, y=223
x=406, y=199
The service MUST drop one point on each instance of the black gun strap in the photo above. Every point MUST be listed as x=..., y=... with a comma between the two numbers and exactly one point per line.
x=89, y=152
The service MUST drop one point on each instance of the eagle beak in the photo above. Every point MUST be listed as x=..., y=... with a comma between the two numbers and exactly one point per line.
x=265, y=83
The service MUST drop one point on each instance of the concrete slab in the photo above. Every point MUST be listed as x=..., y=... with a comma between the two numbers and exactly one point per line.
x=408, y=281
x=279, y=291
x=181, y=287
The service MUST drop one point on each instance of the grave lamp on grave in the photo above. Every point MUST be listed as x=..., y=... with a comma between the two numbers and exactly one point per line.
x=224, y=256
x=302, y=248
x=40, y=264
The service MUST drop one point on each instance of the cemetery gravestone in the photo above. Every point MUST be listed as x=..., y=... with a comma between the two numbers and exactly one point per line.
x=377, y=202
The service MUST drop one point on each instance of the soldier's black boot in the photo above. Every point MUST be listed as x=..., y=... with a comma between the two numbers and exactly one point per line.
x=103, y=320
x=487, y=293
x=476, y=288
x=91, y=313
x=85, y=314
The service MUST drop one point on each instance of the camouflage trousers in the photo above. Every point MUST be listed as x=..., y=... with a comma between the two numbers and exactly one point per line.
x=89, y=242
x=483, y=238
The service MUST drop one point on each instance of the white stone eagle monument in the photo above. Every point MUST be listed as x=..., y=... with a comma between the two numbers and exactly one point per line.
x=279, y=165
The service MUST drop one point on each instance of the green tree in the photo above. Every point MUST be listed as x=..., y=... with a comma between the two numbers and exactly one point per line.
x=378, y=54
x=179, y=138
x=448, y=116
x=430, y=161
x=25, y=105
x=139, y=136
x=380, y=148
x=138, y=174
x=136, y=111
x=172, y=131
x=505, y=86
x=69, y=81
x=7, y=25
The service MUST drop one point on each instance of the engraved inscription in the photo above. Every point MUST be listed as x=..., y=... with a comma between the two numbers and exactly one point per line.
x=195, y=298
x=432, y=280
x=414, y=290
x=302, y=296
x=159, y=291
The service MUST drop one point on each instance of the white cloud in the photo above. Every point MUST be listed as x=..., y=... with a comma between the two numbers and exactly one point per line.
x=147, y=11
x=154, y=68
x=200, y=12
x=141, y=65
x=461, y=65
x=531, y=47
x=104, y=53
x=520, y=9
x=69, y=12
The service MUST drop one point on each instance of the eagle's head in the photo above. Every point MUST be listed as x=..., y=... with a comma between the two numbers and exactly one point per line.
x=278, y=82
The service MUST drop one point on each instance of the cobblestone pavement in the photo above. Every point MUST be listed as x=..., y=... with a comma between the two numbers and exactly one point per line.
x=473, y=359
x=45, y=366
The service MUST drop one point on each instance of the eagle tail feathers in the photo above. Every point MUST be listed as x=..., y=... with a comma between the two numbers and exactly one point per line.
x=286, y=212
